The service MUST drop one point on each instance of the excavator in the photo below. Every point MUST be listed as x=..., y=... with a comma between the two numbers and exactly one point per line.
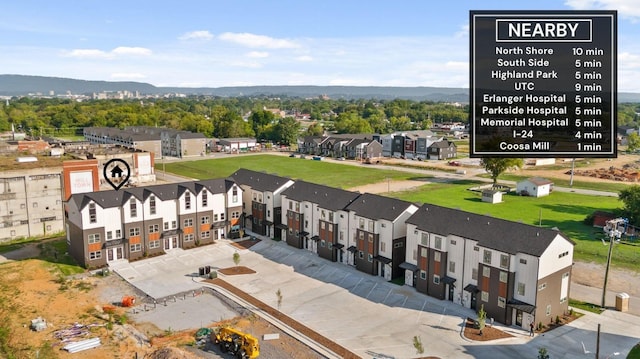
x=239, y=344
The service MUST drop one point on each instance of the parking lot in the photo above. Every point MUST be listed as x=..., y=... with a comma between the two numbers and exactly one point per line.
x=366, y=314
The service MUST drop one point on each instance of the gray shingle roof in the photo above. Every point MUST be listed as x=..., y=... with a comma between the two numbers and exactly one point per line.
x=326, y=197
x=373, y=206
x=258, y=180
x=498, y=234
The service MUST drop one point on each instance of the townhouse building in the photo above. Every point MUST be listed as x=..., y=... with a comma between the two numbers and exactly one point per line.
x=261, y=200
x=146, y=221
x=315, y=218
x=377, y=229
x=519, y=273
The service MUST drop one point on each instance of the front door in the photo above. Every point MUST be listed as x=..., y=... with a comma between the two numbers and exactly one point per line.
x=114, y=253
x=450, y=292
x=170, y=243
x=519, y=318
x=474, y=299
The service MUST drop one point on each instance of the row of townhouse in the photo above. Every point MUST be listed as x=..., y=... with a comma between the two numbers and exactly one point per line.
x=133, y=223
x=358, y=146
x=421, y=145
x=519, y=273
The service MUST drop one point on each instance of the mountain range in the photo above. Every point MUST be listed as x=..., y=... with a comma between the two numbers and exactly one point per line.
x=22, y=85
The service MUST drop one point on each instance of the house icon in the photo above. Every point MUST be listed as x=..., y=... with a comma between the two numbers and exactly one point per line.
x=116, y=172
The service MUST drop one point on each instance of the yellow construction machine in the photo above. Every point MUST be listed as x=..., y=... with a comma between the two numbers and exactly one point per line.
x=239, y=344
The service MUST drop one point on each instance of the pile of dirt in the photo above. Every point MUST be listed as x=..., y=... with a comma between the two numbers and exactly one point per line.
x=629, y=173
x=170, y=353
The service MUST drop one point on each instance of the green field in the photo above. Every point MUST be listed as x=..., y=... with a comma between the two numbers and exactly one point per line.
x=566, y=211
x=321, y=172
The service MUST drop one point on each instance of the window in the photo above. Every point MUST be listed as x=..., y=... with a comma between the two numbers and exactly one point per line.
x=204, y=220
x=521, y=287
x=486, y=272
x=437, y=256
x=290, y=203
x=215, y=217
x=361, y=254
x=95, y=255
x=118, y=233
x=423, y=275
x=565, y=275
x=154, y=228
x=361, y=223
x=306, y=223
x=398, y=245
x=383, y=247
x=563, y=299
x=415, y=254
x=485, y=296
x=452, y=266
x=109, y=235
x=152, y=204
x=322, y=243
x=93, y=238
x=187, y=200
x=370, y=226
x=189, y=237
x=222, y=216
x=423, y=252
x=370, y=257
x=188, y=222
x=542, y=286
x=453, y=242
x=438, y=242
x=436, y=279
x=154, y=244
x=206, y=234
x=523, y=261
x=92, y=213
x=548, y=312
x=174, y=224
x=504, y=277
x=135, y=247
x=297, y=207
x=370, y=238
x=563, y=254
x=235, y=214
x=205, y=198
x=321, y=225
x=502, y=302
x=504, y=261
x=133, y=208
x=331, y=217
x=361, y=235
x=234, y=194
x=424, y=239
x=486, y=257
x=166, y=226
x=134, y=232
x=330, y=245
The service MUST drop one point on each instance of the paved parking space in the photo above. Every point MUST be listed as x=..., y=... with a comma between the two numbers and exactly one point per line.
x=366, y=314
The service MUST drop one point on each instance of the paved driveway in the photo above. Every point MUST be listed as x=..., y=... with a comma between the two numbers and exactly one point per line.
x=366, y=314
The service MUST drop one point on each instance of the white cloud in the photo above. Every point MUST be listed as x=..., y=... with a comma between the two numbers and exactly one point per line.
x=197, y=35
x=137, y=51
x=121, y=51
x=258, y=54
x=304, y=58
x=257, y=41
x=626, y=8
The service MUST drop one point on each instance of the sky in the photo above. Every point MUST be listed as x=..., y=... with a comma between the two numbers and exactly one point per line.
x=217, y=43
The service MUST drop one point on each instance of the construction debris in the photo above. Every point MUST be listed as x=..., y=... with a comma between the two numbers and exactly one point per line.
x=629, y=173
x=82, y=345
x=38, y=324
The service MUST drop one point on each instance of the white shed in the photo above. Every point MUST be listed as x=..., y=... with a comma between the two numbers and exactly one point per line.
x=534, y=187
x=491, y=196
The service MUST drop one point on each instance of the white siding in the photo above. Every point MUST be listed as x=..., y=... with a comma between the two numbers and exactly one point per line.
x=455, y=253
x=551, y=260
x=526, y=273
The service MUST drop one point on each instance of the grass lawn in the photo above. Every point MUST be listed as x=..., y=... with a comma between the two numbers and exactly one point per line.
x=566, y=211
x=321, y=172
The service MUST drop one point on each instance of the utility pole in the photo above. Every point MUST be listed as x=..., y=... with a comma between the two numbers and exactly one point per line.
x=598, y=343
x=614, y=231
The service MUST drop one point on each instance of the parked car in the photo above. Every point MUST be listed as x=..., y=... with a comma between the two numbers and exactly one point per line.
x=293, y=155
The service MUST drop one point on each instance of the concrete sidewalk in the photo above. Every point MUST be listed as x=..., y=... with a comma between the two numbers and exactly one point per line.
x=366, y=314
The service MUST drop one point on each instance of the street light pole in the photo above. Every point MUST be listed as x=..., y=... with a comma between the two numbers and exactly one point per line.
x=614, y=231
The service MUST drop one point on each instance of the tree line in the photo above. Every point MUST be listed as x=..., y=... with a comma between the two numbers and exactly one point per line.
x=229, y=117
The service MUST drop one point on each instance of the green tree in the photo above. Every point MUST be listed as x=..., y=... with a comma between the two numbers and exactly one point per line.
x=315, y=129
x=286, y=131
x=633, y=142
x=236, y=258
x=482, y=318
x=496, y=166
x=630, y=197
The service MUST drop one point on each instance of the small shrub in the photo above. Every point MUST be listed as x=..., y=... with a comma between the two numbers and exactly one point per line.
x=557, y=320
x=417, y=343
